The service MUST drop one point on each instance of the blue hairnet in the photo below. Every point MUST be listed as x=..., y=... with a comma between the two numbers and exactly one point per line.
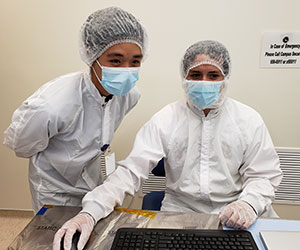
x=217, y=53
x=107, y=27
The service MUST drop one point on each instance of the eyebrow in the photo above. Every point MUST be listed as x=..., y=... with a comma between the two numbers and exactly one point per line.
x=115, y=54
x=121, y=55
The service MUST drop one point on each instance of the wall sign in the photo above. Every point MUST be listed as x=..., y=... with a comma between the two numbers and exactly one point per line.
x=280, y=50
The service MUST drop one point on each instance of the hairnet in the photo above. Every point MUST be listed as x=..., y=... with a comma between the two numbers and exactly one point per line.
x=217, y=53
x=107, y=27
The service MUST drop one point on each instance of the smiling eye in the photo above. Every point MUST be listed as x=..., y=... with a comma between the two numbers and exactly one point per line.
x=195, y=75
x=214, y=76
x=115, y=61
x=136, y=63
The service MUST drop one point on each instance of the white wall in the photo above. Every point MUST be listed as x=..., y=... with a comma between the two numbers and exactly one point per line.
x=39, y=42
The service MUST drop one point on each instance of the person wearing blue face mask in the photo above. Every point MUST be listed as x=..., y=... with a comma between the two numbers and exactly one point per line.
x=66, y=125
x=219, y=157
x=117, y=81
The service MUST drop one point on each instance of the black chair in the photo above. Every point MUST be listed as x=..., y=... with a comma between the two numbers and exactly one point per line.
x=153, y=199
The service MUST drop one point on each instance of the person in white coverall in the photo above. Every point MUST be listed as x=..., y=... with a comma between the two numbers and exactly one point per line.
x=68, y=122
x=219, y=155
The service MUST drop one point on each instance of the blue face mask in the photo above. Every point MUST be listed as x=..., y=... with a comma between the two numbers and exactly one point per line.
x=118, y=81
x=203, y=93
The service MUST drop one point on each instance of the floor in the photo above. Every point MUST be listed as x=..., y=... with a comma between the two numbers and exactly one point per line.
x=12, y=223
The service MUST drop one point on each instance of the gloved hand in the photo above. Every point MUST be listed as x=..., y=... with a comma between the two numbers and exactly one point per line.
x=82, y=222
x=238, y=214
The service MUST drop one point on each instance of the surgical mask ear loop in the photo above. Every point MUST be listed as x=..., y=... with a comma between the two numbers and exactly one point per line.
x=99, y=64
x=96, y=72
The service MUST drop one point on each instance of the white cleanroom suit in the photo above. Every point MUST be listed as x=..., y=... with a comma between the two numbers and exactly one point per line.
x=211, y=161
x=62, y=128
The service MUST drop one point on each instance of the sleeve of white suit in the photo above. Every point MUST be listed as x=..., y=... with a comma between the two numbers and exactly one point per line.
x=30, y=130
x=149, y=147
x=261, y=169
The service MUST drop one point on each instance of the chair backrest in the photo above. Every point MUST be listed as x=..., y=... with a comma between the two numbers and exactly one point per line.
x=153, y=199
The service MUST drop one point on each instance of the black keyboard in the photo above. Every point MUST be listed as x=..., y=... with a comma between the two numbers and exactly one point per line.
x=181, y=239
